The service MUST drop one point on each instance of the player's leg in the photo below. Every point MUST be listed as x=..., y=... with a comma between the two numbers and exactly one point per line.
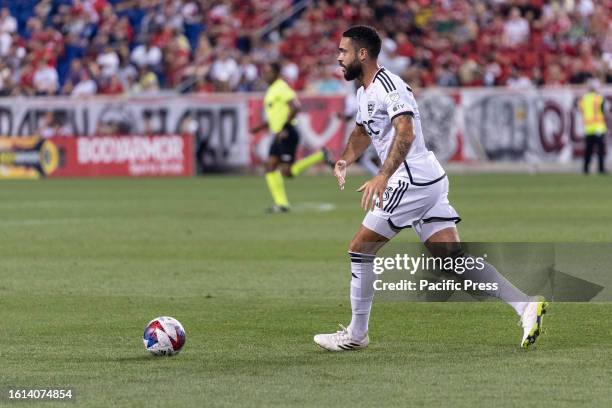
x=601, y=151
x=300, y=166
x=274, y=180
x=272, y=163
x=362, y=251
x=307, y=162
x=283, y=149
x=588, y=153
x=442, y=239
x=444, y=242
x=438, y=232
x=401, y=209
x=370, y=237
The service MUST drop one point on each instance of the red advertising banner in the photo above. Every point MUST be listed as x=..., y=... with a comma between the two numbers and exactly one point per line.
x=124, y=156
x=318, y=124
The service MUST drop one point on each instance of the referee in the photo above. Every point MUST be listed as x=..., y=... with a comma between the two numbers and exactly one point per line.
x=592, y=108
x=281, y=106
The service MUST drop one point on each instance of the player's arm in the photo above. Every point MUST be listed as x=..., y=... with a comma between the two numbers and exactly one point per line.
x=260, y=127
x=404, y=136
x=375, y=188
x=357, y=144
x=294, y=108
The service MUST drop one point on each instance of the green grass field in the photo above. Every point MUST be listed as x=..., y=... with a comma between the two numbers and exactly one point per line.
x=87, y=263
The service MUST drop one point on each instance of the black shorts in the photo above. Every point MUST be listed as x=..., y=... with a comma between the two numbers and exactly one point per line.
x=286, y=147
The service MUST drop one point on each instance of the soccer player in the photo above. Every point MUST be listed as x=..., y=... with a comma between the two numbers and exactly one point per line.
x=410, y=191
x=281, y=106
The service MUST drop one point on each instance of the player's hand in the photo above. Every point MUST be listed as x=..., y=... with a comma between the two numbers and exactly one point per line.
x=340, y=172
x=372, y=190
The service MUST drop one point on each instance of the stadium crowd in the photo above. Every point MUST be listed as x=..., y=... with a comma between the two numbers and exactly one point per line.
x=86, y=47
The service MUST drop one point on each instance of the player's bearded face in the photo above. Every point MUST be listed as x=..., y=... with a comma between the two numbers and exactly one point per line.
x=352, y=70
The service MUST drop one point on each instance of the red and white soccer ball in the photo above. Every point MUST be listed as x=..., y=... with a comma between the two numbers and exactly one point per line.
x=164, y=336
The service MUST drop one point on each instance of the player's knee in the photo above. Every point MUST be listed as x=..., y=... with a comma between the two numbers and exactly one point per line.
x=286, y=171
x=455, y=250
x=270, y=166
x=360, y=246
x=355, y=244
x=446, y=249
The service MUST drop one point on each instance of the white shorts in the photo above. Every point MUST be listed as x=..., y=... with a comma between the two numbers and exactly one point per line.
x=422, y=207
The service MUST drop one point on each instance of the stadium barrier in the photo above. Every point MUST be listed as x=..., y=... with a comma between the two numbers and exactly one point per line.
x=219, y=124
x=98, y=156
x=480, y=127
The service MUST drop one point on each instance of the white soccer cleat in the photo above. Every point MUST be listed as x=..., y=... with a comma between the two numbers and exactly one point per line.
x=531, y=320
x=341, y=340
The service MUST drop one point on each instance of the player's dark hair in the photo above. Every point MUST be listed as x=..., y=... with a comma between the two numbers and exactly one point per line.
x=364, y=37
x=276, y=67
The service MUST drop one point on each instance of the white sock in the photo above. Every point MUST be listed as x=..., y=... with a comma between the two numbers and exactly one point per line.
x=506, y=291
x=362, y=293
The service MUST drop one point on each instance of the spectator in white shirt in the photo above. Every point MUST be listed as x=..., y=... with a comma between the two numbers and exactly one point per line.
x=8, y=23
x=585, y=8
x=224, y=71
x=127, y=74
x=6, y=42
x=519, y=80
x=516, y=29
x=46, y=81
x=247, y=73
x=290, y=71
x=108, y=62
x=147, y=56
x=85, y=87
x=390, y=59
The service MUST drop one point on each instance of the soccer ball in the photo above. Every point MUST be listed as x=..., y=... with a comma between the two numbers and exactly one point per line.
x=164, y=336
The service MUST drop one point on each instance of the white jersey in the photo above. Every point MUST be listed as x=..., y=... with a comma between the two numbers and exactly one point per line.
x=385, y=98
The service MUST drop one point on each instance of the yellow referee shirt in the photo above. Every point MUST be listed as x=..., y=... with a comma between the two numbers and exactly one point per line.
x=276, y=104
x=593, y=116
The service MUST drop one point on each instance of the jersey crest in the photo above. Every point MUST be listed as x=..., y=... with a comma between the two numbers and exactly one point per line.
x=371, y=106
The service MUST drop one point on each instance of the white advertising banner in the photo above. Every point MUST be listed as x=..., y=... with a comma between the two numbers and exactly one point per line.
x=218, y=123
x=491, y=125
x=477, y=125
